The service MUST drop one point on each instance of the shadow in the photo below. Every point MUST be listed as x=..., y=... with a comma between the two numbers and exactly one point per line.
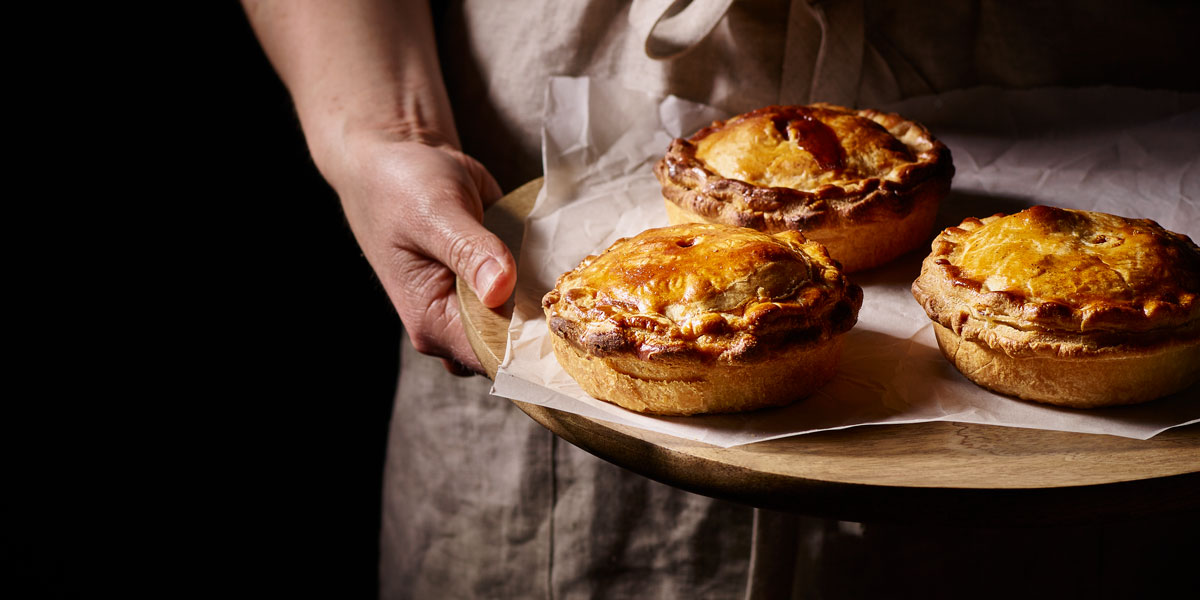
x=854, y=396
x=960, y=205
x=900, y=271
x=479, y=124
x=1165, y=412
x=1011, y=113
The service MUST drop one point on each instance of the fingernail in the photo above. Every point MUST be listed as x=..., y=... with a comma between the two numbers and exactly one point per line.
x=486, y=276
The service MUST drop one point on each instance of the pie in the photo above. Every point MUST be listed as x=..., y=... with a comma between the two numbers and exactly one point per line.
x=865, y=183
x=702, y=318
x=1067, y=307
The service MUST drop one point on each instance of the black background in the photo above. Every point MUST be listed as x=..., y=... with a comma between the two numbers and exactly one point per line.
x=203, y=363
x=206, y=361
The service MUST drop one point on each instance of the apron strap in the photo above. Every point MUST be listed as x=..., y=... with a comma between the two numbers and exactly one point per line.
x=672, y=27
x=823, y=59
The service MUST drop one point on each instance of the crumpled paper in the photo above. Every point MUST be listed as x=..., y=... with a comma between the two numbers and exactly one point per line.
x=1129, y=152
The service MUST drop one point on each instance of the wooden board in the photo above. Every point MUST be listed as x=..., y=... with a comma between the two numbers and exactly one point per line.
x=943, y=473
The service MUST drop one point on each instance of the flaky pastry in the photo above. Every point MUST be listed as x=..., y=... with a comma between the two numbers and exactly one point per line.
x=702, y=318
x=1067, y=307
x=864, y=183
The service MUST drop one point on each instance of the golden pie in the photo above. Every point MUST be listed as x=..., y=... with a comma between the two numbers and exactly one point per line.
x=864, y=183
x=1067, y=307
x=702, y=318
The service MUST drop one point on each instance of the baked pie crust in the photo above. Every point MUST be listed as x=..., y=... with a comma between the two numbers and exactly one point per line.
x=702, y=318
x=864, y=183
x=1067, y=307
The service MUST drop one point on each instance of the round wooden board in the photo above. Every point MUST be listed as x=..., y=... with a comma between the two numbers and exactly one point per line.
x=938, y=473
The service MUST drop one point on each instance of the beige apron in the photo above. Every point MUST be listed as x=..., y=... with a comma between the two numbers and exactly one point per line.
x=496, y=55
x=481, y=502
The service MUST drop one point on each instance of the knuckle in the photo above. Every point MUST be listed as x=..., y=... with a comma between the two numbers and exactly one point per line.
x=461, y=251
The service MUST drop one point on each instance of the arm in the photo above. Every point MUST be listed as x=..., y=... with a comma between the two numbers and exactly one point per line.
x=368, y=90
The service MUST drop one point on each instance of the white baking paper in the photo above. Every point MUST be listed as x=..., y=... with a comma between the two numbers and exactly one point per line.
x=1129, y=152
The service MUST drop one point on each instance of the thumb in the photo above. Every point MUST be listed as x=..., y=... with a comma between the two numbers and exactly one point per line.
x=490, y=269
x=458, y=240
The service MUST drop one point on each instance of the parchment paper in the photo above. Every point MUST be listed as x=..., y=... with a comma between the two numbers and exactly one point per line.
x=1129, y=152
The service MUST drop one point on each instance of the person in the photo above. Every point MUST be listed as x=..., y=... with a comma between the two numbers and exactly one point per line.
x=419, y=132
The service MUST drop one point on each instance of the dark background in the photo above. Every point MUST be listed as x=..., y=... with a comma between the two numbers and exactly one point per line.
x=207, y=362
x=204, y=368
x=317, y=444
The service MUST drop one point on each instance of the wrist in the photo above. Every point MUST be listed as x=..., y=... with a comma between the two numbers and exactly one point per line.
x=358, y=70
x=339, y=142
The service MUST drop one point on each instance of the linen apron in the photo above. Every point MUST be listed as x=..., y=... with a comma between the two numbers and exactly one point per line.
x=482, y=502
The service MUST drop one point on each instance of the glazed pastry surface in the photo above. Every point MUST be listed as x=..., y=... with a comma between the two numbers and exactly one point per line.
x=1066, y=307
x=802, y=148
x=703, y=290
x=812, y=168
x=1066, y=271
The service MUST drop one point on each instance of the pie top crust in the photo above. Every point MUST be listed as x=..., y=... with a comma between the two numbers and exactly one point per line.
x=703, y=292
x=801, y=167
x=1062, y=281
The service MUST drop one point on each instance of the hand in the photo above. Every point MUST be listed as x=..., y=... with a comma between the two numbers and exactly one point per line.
x=416, y=210
x=369, y=94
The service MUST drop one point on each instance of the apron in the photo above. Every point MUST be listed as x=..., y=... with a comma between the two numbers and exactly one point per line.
x=482, y=502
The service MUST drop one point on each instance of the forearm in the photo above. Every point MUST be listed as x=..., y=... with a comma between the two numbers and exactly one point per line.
x=365, y=79
x=352, y=67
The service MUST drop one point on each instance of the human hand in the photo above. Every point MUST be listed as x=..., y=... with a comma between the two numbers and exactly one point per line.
x=368, y=90
x=415, y=210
